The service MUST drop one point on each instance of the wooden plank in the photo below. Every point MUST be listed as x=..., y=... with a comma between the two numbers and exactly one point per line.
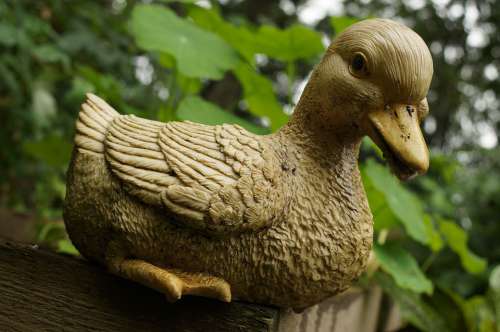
x=353, y=311
x=44, y=291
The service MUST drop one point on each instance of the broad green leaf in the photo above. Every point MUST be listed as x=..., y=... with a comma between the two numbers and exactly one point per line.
x=456, y=238
x=404, y=204
x=188, y=85
x=54, y=234
x=402, y=267
x=49, y=53
x=295, y=42
x=52, y=150
x=479, y=315
x=476, y=312
x=240, y=38
x=383, y=218
x=66, y=247
x=50, y=232
x=435, y=240
x=340, y=23
x=436, y=196
x=166, y=60
x=198, y=53
x=445, y=166
x=195, y=109
x=166, y=114
x=412, y=307
x=259, y=96
x=368, y=145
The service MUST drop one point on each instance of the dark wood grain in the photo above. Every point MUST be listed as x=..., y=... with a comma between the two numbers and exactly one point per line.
x=44, y=291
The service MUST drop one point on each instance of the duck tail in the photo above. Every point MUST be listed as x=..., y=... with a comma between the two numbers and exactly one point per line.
x=92, y=125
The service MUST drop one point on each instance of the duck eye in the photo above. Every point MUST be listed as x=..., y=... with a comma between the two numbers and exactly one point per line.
x=358, y=65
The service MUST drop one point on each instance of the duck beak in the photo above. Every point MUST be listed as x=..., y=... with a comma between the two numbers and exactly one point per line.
x=396, y=131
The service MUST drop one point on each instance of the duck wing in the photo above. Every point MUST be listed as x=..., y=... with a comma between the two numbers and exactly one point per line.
x=218, y=179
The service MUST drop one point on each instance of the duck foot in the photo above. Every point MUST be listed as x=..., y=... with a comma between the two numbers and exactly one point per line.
x=171, y=282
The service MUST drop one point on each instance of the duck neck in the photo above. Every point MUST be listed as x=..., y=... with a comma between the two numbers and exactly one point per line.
x=323, y=133
x=323, y=157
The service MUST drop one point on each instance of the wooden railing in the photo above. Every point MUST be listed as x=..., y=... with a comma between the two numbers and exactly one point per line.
x=44, y=291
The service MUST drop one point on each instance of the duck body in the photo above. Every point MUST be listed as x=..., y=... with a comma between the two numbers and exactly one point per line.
x=216, y=211
x=319, y=245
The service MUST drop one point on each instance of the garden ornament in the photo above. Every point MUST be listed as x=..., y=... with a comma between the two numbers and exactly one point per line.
x=217, y=211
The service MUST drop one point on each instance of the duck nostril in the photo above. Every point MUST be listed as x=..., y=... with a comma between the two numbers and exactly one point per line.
x=410, y=110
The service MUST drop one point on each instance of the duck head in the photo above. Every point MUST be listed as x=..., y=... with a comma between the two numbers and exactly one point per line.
x=373, y=80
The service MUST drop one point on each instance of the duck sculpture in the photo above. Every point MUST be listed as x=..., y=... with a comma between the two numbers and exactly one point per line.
x=217, y=211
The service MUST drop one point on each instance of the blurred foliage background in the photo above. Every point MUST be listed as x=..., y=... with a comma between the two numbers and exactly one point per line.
x=247, y=61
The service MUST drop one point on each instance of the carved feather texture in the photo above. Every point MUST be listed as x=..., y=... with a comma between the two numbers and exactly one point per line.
x=92, y=124
x=303, y=180
x=136, y=158
x=222, y=170
x=220, y=179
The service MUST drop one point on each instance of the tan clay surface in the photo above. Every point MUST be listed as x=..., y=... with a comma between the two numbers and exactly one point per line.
x=217, y=211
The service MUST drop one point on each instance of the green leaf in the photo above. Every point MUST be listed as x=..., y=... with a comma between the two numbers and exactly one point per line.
x=166, y=60
x=195, y=109
x=340, y=23
x=456, y=238
x=383, y=218
x=10, y=81
x=198, y=53
x=166, y=114
x=259, y=96
x=436, y=196
x=368, y=145
x=494, y=279
x=8, y=34
x=448, y=304
x=52, y=150
x=413, y=309
x=50, y=232
x=404, y=204
x=188, y=85
x=44, y=105
x=49, y=53
x=66, y=247
x=104, y=85
x=295, y=42
x=240, y=38
x=79, y=87
x=402, y=267
x=494, y=282
x=435, y=240
x=479, y=315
